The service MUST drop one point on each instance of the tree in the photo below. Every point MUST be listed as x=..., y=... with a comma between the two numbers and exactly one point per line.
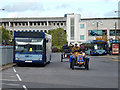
x=59, y=37
x=6, y=36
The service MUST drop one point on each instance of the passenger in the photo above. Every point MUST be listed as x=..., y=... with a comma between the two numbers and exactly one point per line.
x=70, y=47
x=65, y=46
x=81, y=48
x=65, y=49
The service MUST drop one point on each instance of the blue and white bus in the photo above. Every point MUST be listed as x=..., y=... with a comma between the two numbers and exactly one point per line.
x=96, y=47
x=32, y=47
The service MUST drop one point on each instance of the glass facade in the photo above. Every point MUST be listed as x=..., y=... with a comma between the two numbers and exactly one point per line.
x=72, y=28
x=82, y=26
x=97, y=32
x=81, y=37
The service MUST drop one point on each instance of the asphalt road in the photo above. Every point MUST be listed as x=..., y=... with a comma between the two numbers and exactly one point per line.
x=103, y=73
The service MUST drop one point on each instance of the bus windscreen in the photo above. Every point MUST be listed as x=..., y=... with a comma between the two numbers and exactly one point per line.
x=29, y=44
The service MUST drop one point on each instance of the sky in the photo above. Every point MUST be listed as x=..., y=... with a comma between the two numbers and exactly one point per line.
x=57, y=8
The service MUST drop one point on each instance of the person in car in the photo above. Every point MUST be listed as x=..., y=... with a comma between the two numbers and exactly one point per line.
x=75, y=48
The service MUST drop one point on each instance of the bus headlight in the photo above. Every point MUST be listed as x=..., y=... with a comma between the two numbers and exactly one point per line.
x=16, y=58
x=40, y=59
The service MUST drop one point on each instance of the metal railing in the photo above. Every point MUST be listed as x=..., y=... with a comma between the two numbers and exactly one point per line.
x=6, y=55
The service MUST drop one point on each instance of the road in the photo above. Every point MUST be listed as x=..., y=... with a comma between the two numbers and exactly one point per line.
x=103, y=73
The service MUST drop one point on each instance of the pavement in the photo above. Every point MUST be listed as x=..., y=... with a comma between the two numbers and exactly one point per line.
x=103, y=73
x=7, y=66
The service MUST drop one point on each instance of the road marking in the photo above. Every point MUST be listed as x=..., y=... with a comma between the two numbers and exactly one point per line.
x=7, y=80
x=116, y=60
x=19, y=77
x=14, y=69
x=24, y=87
x=11, y=84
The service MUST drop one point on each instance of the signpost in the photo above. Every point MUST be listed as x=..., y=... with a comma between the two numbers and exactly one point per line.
x=115, y=48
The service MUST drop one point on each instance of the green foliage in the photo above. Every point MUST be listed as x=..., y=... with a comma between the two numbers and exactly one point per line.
x=59, y=37
x=5, y=35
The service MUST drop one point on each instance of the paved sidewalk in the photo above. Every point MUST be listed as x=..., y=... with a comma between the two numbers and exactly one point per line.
x=110, y=56
x=7, y=66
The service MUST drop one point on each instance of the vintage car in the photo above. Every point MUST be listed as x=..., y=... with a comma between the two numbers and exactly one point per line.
x=79, y=59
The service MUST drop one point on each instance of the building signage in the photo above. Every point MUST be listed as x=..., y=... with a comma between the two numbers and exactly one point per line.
x=115, y=48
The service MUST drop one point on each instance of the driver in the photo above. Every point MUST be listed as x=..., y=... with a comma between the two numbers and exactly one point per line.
x=75, y=48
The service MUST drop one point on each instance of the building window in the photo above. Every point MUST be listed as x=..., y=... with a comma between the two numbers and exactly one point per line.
x=72, y=28
x=112, y=32
x=82, y=26
x=81, y=37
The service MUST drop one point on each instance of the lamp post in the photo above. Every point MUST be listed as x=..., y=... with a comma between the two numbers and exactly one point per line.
x=115, y=29
x=116, y=24
x=2, y=9
x=97, y=25
x=1, y=31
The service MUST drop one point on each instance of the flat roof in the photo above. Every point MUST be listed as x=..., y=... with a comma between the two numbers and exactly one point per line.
x=99, y=18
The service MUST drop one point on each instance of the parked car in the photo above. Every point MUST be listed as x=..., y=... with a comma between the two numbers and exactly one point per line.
x=54, y=49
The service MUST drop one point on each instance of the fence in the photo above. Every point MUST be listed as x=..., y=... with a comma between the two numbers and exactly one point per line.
x=6, y=55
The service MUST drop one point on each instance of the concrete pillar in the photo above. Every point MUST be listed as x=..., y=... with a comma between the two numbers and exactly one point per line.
x=36, y=24
x=9, y=24
x=40, y=23
x=32, y=24
x=28, y=23
x=108, y=35
x=47, y=23
x=44, y=24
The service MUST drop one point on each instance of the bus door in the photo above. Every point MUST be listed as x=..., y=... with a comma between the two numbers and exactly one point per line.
x=44, y=44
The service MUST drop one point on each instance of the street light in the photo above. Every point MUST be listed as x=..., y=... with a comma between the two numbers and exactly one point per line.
x=0, y=26
x=116, y=11
x=116, y=24
x=97, y=24
x=115, y=29
x=2, y=9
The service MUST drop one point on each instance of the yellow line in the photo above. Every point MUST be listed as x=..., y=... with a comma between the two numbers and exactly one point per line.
x=116, y=60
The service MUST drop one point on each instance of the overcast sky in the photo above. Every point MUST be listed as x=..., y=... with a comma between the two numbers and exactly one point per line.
x=57, y=8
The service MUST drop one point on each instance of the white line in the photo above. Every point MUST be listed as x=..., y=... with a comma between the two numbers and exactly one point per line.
x=11, y=84
x=24, y=87
x=19, y=77
x=8, y=80
x=14, y=69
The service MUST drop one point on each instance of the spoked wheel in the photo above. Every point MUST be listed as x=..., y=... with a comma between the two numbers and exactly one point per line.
x=73, y=62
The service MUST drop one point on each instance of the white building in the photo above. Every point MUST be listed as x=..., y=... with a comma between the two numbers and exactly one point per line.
x=78, y=30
